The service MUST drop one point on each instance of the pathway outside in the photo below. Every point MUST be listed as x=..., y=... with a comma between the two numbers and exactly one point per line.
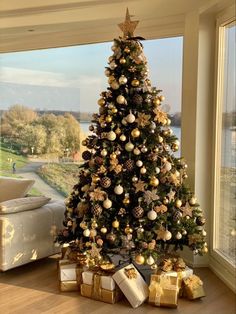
x=29, y=172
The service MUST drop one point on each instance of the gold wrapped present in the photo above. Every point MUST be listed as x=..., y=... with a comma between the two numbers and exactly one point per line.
x=99, y=286
x=104, y=295
x=67, y=270
x=163, y=291
x=193, y=287
x=66, y=286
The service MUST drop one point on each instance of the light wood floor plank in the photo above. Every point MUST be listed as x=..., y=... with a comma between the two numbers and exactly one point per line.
x=33, y=289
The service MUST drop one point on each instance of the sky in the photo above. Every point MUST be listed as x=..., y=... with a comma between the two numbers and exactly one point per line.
x=72, y=78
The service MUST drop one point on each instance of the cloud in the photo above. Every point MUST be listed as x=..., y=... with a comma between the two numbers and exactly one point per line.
x=45, y=78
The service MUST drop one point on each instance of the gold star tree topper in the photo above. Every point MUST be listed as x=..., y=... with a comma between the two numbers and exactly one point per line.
x=128, y=26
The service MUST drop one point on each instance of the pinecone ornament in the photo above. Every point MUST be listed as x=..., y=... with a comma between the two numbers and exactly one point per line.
x=97, y=210
x=138, y=212
x=129, y=165
x=86, y=155
x=105, y=182
x=137, y=99
x=177, y=215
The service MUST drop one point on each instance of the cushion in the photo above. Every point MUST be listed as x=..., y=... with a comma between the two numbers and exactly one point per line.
x=11, y=188
x=23, y=204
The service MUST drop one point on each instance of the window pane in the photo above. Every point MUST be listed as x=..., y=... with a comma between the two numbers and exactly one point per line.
x=227, y=213
x=55, y=82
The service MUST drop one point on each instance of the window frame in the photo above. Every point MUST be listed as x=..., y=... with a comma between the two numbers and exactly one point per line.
x=219, y=259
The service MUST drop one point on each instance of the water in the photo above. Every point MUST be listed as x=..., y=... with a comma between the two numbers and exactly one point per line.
x=228, y=143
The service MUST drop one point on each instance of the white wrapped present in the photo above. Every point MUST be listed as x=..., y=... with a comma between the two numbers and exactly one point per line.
x=132, y=285
x=107, y=282
x=67, y=271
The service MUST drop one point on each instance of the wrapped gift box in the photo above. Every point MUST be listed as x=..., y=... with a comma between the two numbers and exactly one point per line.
x=67, y=270
x=193, y=287
x=106, y=281
x=163, y=290
x=66, y=286
x=104, y=295
x=132, y=285
x=180, y=275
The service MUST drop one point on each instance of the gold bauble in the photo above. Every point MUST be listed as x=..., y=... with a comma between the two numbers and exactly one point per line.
x=118, y=131
x=114, y=110
x=113, y=155
x=120, y=99
x=162, y=98
x=143, y=170
x=122, y=137
x=175, y=147
x=128, y=229
x=135, y=132
x=103, y=230
x=111, y=79
x=101, y=102
x=135, y=83
x=156, y=101
x=139, y=259
x=115, y=85
x=84, y=142
x=154, y=181
x=115, y=224
x=204, y=249
x=126, y=200
x=122, y=61
x=178, y=203
x=108, y=119
x=93, y=233
x=127, y=50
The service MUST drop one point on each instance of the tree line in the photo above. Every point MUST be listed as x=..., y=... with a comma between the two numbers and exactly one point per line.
x=41, y=133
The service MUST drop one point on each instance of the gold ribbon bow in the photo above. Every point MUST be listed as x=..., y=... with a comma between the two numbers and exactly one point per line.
x=130, y=273
x=193, y=282
x=97, y=290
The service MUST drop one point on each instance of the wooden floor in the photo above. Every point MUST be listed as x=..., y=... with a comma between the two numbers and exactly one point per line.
x=33, y=288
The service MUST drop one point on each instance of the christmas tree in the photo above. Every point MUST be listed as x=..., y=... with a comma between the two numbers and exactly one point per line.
x=130, y=196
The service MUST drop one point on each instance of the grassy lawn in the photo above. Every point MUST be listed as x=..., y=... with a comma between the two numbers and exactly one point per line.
x=7, y=157
x=60, y=176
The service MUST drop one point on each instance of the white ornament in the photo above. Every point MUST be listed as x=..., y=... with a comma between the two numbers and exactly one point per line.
x=86, y=233
x=118, y=189
x=167, y=166
x=103, y=230
x=204, y=233
x=130, y=118
x=136, y=151
x=139, y=163
x=104, y=152
x=167, y=235
x=143, y=170
x=124, y=122
x=129, y=147
x=152, y=215
x=150, y=260
x=160, y=139
x=111, y=136
x=178, y=235
x=157, y=170
x=107, y=203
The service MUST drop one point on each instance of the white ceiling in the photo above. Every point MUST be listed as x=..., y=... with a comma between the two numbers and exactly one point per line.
x=28, y=24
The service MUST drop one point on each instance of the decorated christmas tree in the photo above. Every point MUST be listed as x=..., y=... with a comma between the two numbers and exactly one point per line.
x=131, y=195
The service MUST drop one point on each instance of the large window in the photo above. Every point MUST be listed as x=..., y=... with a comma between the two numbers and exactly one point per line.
x=56, y=89
x=225, y=193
